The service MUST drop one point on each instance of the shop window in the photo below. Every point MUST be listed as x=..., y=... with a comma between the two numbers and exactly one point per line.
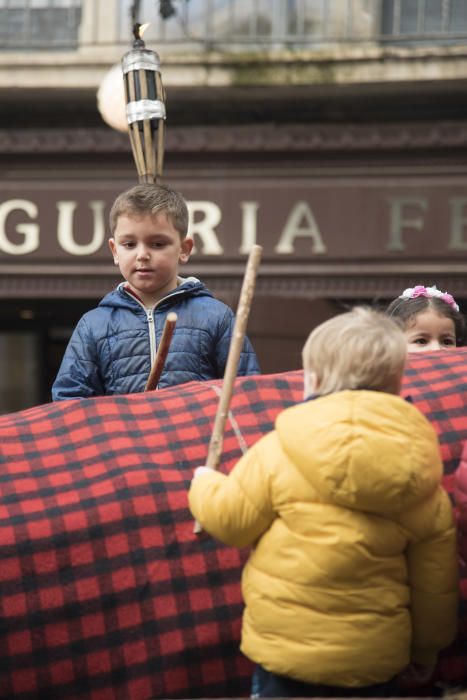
x=412, y=20
x=20, y=367
x=231, y=21
x=39, y=24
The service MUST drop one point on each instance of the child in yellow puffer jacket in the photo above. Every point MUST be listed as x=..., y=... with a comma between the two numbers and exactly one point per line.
x=353, y=576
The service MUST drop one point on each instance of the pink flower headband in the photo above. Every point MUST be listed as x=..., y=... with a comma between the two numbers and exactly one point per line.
x=421, y=291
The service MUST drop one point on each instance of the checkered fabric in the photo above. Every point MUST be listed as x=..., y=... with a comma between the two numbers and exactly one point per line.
x=437, y=384
x=105, y=592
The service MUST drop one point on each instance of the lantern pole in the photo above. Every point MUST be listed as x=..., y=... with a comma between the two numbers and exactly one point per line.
x=145, y=105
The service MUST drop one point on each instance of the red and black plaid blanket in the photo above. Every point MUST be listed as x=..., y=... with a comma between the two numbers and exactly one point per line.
x=105, y=592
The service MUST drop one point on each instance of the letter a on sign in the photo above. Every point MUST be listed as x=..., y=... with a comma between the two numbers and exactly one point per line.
x=301, y=223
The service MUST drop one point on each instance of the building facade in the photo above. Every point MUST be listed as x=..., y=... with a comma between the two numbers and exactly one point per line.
x=334, y=134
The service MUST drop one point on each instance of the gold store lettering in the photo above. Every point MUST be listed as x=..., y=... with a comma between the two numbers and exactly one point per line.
x=458, y=223
x=65, y=228
x=30, y=231
x=204, y=218
x=65, y=217
x=406, y=215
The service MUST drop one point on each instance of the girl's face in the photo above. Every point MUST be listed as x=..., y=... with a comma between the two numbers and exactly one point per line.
x=428, y=331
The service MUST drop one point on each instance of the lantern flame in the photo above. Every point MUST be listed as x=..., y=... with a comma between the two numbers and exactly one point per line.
x=143, y=28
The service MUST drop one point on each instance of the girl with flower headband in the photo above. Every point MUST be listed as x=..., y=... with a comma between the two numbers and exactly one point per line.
x=430, y=318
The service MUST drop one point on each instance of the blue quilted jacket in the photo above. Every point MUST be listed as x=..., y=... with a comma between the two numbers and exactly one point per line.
x=113, y=346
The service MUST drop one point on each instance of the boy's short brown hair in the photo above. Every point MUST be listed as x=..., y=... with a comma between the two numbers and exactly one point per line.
x=149, y=200
x=360, y=349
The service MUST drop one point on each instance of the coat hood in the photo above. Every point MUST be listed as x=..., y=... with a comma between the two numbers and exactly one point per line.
x=363, y=450
x=189, y=286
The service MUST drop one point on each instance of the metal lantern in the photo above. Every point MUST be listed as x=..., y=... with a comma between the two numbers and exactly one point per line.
x=145, y=108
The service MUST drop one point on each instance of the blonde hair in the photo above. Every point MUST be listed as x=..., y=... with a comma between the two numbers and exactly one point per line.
x=360, y=349
x=149, y=200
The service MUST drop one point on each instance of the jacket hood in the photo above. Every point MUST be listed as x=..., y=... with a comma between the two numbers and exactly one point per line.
x=364, y=450
x=189, y=286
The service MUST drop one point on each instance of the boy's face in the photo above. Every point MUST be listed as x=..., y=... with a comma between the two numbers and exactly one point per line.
x=148, y=251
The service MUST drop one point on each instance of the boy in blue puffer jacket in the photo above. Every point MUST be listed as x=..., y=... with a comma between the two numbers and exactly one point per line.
x=113, y=346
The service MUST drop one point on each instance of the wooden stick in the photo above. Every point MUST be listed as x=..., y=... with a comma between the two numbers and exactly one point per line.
x=135, y=136
x=148, y=145
x=162, y=350
x=231, y=368
x=160, y=151
x=159, y=143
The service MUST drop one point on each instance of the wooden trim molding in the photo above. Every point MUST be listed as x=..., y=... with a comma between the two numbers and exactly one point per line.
x=368, y=284
x=310, y=138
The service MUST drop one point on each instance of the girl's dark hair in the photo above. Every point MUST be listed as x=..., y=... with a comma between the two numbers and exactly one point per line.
x=403, y=310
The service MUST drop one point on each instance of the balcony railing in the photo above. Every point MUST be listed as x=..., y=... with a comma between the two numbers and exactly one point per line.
x=235, y=24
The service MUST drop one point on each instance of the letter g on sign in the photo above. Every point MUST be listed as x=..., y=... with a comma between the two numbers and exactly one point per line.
x=30, y=231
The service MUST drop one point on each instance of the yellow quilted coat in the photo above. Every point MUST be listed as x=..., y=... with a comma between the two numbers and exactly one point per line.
x=354, y=572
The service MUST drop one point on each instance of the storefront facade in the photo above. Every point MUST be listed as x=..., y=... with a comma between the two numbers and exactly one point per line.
x=342, y=213
x=343, y=155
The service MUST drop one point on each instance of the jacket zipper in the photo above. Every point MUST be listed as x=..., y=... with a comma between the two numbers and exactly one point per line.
x=151, y=327
x=152, y=334
x=151, y=321
x=152, y=324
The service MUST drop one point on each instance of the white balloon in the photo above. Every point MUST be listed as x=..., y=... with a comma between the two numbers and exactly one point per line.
x=111, y=99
